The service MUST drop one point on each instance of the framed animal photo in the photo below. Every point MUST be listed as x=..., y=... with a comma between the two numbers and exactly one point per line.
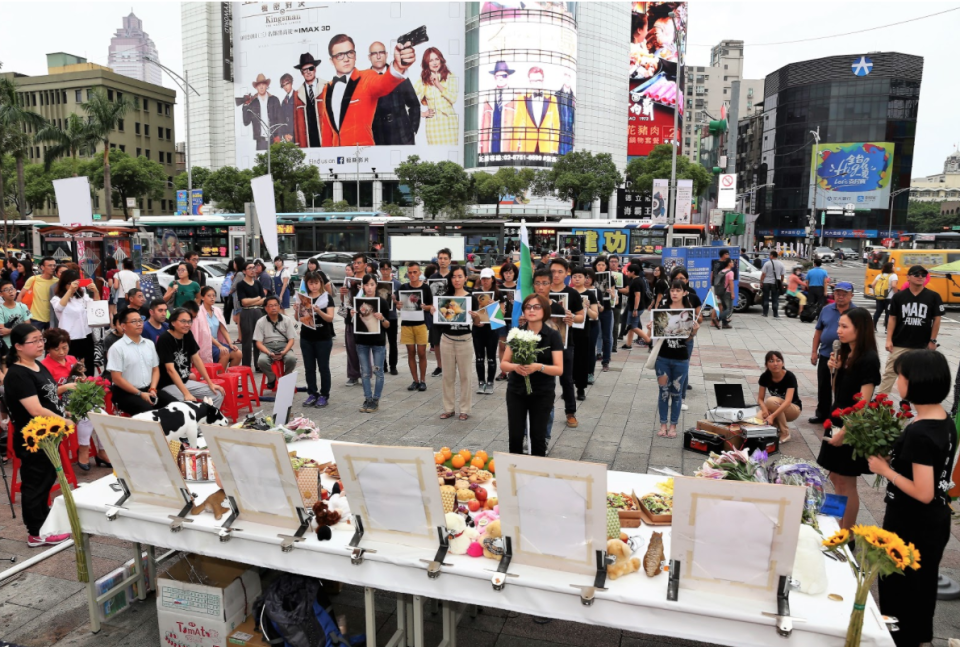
x=673, y=324
x=385, y=292
x=411, y=305
x=480, y=302
x=364, y=321
x=438, y=287
x=452, y=310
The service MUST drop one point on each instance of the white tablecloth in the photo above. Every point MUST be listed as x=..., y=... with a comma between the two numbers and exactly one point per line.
x=634, y=602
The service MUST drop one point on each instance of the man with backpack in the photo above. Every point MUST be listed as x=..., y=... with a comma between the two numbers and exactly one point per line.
x=771, y=277
x=715, y=269
x=723, y=291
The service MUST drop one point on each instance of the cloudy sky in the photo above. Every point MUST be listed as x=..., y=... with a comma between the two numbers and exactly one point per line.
x=85, y=29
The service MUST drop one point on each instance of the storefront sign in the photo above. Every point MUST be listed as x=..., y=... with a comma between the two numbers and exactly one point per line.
x=849, y=233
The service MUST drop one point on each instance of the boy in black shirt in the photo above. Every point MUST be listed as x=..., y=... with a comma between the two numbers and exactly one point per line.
x=178, y=351
x=914, y=322
x=574, y=313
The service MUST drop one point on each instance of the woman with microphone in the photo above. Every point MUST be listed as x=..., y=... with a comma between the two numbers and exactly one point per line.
x=855, y=368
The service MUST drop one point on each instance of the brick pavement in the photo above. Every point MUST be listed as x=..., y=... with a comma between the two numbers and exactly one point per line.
x=46, y=606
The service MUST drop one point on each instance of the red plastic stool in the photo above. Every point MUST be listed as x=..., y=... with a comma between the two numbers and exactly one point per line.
x=15, y=485
x=214, y=369
x=277, y=368
x=229, y=406
x=247, y=395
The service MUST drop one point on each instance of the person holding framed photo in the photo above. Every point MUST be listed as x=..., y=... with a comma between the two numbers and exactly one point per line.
x=673, y=363
x=456, y=350
x=369, y=329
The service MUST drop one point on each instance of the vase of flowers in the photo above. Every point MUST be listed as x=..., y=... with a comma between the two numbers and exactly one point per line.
x=523, y=344
x=872, y=426
x=46, y=433
x=877, y=553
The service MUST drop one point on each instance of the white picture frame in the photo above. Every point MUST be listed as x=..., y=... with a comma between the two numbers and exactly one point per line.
x=255, y=470
x=411, y=306
x=141, y=456
x=385, y=292
x=554, y=511
x=482, y=300
x=395, y=492
x=673, y=323
x=715, y=519
x=364, y=323
x=460, y=307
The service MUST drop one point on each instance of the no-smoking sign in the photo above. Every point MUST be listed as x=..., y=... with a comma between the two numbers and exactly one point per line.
x=727, y=195
x=727, y=180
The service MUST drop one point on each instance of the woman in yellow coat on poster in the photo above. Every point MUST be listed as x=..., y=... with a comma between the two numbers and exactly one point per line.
x=437, y=89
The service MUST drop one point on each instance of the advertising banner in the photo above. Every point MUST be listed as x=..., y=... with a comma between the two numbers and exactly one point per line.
x=654, y=58
x=857, y=174
x=265, y=201
x=658, y=204
x=528, y=82
x=183, y=206
x=699, y=263
x=684, y=202
x=196, y=202
x=633, y=204
x=328, y=77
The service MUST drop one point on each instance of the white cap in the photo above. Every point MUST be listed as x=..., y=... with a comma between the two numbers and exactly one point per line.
x=487, y=273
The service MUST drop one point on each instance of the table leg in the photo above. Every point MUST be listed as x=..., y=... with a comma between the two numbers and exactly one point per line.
x=152, y=566
x=417, y=621
x=399, y=636
x=408, y=605
x=138, y=571
x=91, y=586
x=450, y=617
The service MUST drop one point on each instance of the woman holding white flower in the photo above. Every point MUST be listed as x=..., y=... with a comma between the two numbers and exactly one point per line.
x=547, y=365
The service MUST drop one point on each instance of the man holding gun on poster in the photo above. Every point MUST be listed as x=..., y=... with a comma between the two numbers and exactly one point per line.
x=349, y=101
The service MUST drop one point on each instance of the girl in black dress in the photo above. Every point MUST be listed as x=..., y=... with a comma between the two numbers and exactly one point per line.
x=857, y=369
x=918, y=500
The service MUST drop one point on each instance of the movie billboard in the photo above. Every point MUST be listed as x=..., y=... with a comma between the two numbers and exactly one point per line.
x=328, y=77
x=856, y=173
x=528, y=81
x=654, y=59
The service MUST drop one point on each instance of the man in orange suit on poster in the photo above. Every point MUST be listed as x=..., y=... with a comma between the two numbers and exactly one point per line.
x=348, y=103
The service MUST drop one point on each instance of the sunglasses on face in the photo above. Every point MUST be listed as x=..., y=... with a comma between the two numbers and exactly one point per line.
x=309, y=69
x=533, y=306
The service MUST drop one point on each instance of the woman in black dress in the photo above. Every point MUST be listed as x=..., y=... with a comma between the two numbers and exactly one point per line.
x=250, y=295
x=857, y=369
x=918, y=500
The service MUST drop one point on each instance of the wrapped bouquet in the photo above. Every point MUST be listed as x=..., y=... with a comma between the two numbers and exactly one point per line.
x=523, y=344
x=872, y=426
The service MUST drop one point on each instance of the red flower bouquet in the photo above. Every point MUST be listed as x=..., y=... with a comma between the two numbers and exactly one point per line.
x=872, y=426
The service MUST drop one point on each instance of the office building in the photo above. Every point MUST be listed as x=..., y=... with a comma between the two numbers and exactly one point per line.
x=939, y=187
x=862, y=104
x=147, y=128
x=130, y=49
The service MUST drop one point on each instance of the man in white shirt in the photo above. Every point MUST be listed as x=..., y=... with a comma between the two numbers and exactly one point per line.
x=124, y=281
x=135, y=368
x=261, y=111
x=771, y=278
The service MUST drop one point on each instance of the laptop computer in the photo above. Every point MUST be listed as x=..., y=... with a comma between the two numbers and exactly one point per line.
x=730, y=396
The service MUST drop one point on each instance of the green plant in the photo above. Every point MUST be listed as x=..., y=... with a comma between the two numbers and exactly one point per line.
x=88, y=396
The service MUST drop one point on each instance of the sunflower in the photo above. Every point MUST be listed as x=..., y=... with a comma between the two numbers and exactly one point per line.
x=886, y=538
x=838, y=538
x=30, y=442
x=899, y=555
x=863, y=531
x=914, y=556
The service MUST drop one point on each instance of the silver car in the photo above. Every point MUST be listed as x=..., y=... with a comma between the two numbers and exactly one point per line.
x=332, y=264
x=825, y=254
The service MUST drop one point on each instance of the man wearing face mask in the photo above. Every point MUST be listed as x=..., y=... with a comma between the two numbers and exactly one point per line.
x=397, y=119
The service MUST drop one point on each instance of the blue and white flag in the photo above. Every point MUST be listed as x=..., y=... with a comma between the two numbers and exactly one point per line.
x=495, y=314
x=710, y=301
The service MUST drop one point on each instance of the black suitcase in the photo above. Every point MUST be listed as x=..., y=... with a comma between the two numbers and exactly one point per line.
x=702, y=442
x=768, y=443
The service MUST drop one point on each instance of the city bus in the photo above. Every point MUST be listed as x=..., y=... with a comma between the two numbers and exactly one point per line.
x=946, y=285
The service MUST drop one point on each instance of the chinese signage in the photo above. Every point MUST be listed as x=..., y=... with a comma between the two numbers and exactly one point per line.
x=603, y=241
x=632, y=204
x=658, y=204
x=857, y=174
x=849, y=233
x=196, y=202
x=684, y=201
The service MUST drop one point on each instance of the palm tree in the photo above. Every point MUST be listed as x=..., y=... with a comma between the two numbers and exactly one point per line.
x=105, y=116
x=76, y=137
x=16, y=119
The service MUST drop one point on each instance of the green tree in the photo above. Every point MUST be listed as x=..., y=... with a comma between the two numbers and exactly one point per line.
x=340, y=206
x=449, y=188
x=104, y=118
x=642, y=171
x=17, y=121
x=290, y=174
x=76, y=137
x=132, y=177
x=579, y=177
x=229, y=187
x=505, y=182
x=393, y=209
x=200, y=175
x=414, y=174
x=924, y=217
x=38, y=179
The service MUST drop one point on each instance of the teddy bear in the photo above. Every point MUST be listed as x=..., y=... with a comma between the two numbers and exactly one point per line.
x=485, y=518
x=492, y=541
x=623, y=565
x=459, y=535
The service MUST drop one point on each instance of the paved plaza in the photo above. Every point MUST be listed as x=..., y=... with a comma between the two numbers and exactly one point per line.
x=46, y=606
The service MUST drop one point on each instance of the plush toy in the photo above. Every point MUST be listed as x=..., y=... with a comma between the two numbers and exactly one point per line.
x=340, y=503
x=483, y=519
x=325, y=518
x=458, y=534
x=623, y=565
x=492, y=541
x=475, y=549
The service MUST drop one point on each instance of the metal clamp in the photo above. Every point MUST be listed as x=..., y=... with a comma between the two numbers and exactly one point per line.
x=499, y=579
x=356, y=555
x=587, y=593
x=114, y=509
x=433, y=566
x=176, y=525
x=306, y=516
x=673, y=583
x=226, y=531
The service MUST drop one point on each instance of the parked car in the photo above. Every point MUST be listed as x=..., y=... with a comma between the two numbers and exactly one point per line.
x=848, y=253
x=825, y=254
x=214, y=271
x=332, y=264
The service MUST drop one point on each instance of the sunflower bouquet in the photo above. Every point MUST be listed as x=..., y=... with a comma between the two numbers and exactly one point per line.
x=877, y=552
x=46, y=433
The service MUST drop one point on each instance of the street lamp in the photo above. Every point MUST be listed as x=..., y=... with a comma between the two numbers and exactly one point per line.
x=313, y=201
x=185, y=88
x=672, y=204
x=892, y=196
x=359, y=148
x=269, y=129
x=811, y=234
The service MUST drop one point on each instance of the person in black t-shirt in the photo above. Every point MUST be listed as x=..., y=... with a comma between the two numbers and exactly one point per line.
x=413, y=327
x=636, y=301
x=534, y=407
x=918, y=474
x=583, y=353
x=914, y=322
x=178, y=352
x=574, y=314
x=316, y=339
x=779, y=396
x=30, y=391
x=250, y=297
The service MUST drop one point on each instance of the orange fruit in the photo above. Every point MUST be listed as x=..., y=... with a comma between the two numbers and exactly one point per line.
x=466, y=454
x=438, y=458
x=478, y=463
x=492, y=468
x=446, y=453
x=482, y=455
x=457, y=461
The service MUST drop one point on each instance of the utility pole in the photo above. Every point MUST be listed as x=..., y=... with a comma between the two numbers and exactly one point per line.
x=813, y=189
x=890, y=224
x=672, y=200
x=358, y=177
x=186, y=115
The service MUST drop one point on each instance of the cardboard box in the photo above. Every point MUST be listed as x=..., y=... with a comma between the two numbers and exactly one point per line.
x=729, y=433
x=204, y=614
x=247, y=635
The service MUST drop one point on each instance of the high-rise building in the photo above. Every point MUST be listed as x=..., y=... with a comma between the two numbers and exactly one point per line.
x=939, y=187
x=146, y=129
x=708, y=88
x=130, y=49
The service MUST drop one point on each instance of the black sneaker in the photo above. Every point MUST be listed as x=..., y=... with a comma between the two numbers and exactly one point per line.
x=413, y=386
x=816, y=421
x=581, y=395
x=394, y=371
x=437, y=372
x=423, y=386
x=373, y=405
x=365, y=407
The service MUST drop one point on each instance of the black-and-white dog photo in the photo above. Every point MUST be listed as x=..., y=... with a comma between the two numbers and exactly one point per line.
x=181, y=420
